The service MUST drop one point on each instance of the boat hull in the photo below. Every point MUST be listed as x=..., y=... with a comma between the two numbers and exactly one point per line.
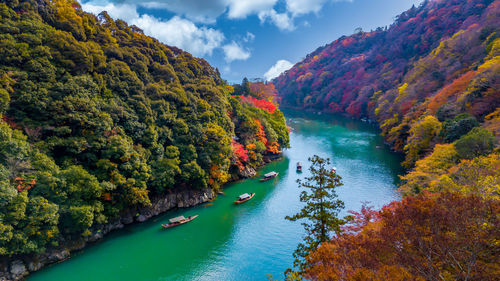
x=245, y=200
x=269, y=178
x=170, y=225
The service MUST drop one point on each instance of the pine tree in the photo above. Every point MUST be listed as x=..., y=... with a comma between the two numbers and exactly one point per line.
x=321, y=210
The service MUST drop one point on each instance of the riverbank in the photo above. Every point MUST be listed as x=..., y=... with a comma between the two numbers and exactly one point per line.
x=22, y=266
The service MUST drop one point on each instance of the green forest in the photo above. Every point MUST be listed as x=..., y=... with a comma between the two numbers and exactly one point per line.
x=98, y=118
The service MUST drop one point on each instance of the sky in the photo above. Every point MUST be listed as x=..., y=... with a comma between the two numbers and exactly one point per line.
x=251, y=38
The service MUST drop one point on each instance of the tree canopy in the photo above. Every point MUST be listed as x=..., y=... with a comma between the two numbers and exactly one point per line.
x=98, y=118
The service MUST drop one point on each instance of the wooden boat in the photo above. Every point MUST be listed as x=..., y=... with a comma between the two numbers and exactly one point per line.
x=178, y=221
x=244, y=198
x=270, y=175
x=299, y=167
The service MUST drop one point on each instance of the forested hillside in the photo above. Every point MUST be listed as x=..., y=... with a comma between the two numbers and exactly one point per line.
x=98, y=118
x=436, y=65
x=440, y=59
x=432, y=82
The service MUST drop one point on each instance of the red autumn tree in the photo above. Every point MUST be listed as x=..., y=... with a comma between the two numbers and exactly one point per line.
x=262, y=104
x=239, y=151
x=444, y=236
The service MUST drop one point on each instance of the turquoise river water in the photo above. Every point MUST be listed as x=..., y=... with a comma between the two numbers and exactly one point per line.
x=247, y=241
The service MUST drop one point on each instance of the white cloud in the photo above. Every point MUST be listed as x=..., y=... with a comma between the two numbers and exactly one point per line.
x=182, y=33
x=278, y=68
x=234, y=51
x=239, y=9
x=126, y=12
x=176, y=31
x=300, y=7
x=282, y=21
x=205, y=11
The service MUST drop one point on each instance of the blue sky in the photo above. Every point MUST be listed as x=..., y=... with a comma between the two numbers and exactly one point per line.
x=251, y=38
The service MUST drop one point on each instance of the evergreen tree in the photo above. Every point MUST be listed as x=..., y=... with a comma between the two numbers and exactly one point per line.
x=321, y=210
x=245, y=87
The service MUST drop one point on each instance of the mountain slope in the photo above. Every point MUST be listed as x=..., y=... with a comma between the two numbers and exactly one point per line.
x=98, y=118
x=439, y=59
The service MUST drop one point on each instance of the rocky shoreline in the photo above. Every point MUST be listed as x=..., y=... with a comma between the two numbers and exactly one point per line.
x=19, y=267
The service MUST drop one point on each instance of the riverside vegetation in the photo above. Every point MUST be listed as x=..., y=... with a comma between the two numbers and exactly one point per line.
x=431, y=80
x=98, y=118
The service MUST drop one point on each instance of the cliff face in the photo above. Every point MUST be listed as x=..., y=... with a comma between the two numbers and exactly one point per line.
x=439, y=59
x=98, y=119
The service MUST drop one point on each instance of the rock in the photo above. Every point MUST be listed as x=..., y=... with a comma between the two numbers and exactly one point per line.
x=18, y=269
x=141, y=218
x=96, y=236
x=35, y=265
x=247, y=172
x=127, y=218
x=58, y=255
x=116, y=225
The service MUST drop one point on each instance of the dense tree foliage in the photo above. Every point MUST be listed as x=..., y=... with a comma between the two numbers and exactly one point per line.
x=98, y=118
x=454, y=128
x=440, y=59
x=477, y=142
x=445, y=236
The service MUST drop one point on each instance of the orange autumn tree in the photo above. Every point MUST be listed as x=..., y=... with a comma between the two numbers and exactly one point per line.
x=251, y=151
x=273, y=148
x=452, y=90
x=263, y=90
x=446, y=236
x=261, y=134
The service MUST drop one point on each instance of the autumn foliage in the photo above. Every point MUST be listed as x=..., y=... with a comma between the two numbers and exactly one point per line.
x=441, y=58
x=444, y=236
x=261, y=134
x=431, y=80
x=240, y=153
x=263, y=90
x=260, y=103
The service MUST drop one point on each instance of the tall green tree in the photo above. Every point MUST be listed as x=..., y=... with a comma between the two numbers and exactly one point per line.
x=320, y=214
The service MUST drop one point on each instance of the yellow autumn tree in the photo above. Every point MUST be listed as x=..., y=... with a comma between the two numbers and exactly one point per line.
x=480, y=176
x=423, y=135
x=429, y=169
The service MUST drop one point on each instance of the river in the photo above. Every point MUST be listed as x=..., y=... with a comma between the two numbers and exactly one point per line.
x=247, y=241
